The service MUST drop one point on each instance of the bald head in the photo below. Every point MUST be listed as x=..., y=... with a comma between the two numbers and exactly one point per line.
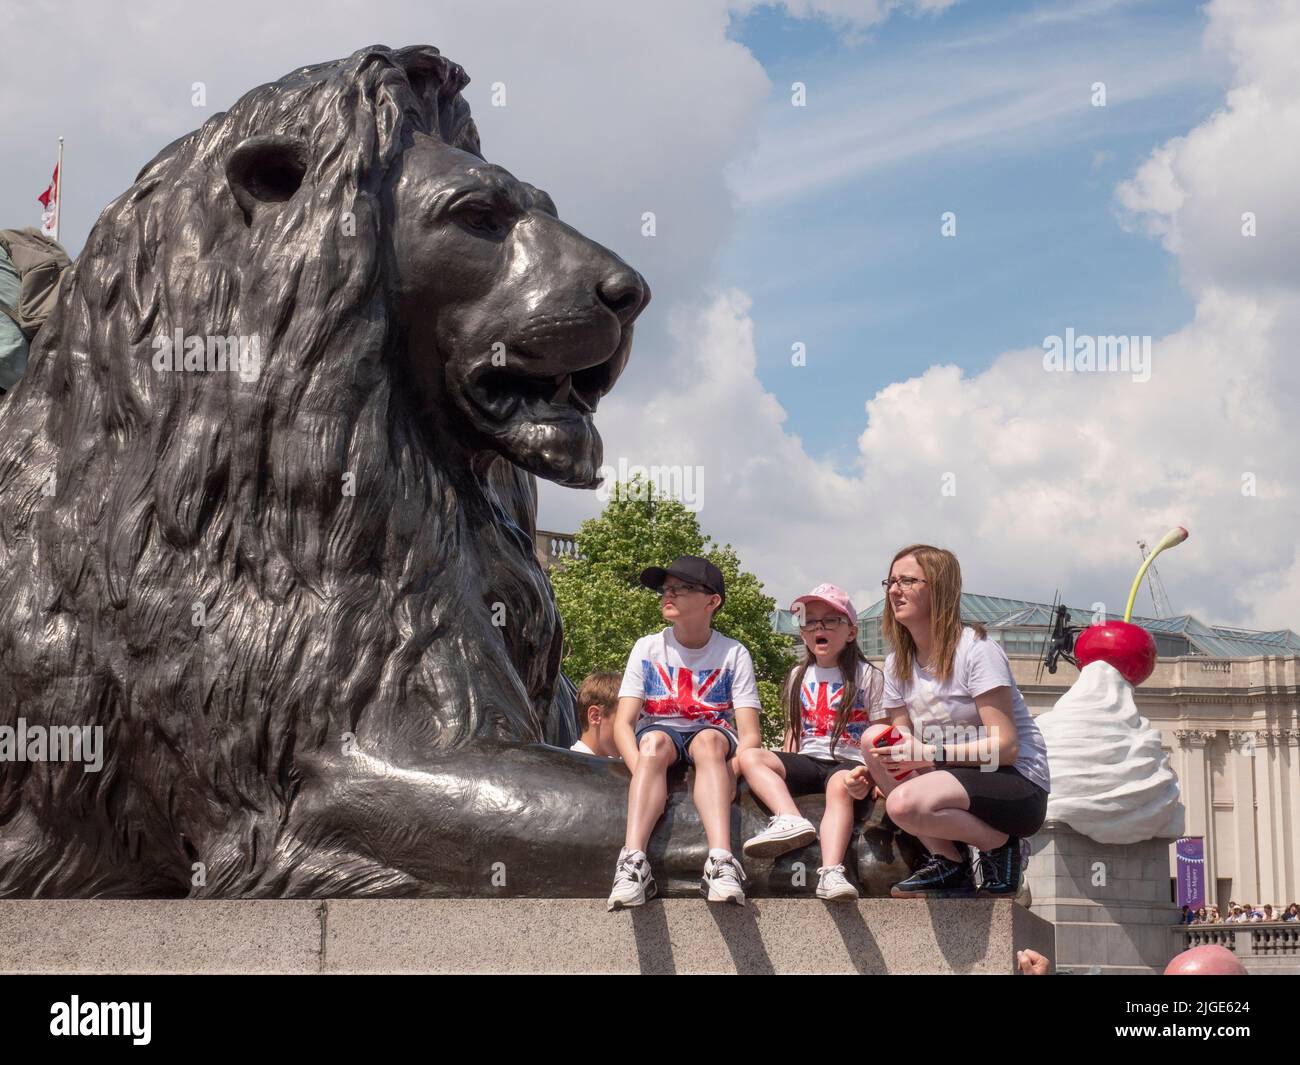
x=1207, y=960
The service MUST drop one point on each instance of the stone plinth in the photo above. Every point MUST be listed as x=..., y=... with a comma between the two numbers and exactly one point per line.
x=1109, y=902
x=517, y=936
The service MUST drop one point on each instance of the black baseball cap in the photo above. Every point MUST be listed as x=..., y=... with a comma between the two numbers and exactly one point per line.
x=689, y=568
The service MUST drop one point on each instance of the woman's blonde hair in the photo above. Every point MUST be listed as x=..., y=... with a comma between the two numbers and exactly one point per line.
x=943, y=579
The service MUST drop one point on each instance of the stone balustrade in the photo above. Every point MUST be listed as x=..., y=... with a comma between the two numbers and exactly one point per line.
x=554, y=547
x=1262, y=948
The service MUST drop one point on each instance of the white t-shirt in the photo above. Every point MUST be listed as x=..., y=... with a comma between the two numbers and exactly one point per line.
x=687, y=687
x=582, y=747
x=820, y=696
x=978, y=666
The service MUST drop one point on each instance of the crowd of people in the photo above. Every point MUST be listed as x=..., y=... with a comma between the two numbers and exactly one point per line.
x=1240, y=913
x=942, y=734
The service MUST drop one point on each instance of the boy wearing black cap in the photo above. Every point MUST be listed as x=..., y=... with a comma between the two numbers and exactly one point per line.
x=683, y=694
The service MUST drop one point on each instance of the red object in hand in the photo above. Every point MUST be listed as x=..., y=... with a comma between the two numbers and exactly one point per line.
x=1129, y=648
x=889, y=738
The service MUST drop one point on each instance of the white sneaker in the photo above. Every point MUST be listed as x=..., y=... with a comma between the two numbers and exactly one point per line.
x=633, y=882
x=834, y=885
x=722, y=880
x=782, y=835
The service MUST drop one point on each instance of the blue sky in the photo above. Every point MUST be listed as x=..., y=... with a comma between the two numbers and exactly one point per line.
x=855, y=266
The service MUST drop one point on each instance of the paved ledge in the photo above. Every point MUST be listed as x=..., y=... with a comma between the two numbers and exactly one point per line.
x=516, y=936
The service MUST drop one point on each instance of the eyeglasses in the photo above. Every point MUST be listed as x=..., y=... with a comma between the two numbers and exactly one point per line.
x=823, y=624
x=674, y=590
x=906, y=583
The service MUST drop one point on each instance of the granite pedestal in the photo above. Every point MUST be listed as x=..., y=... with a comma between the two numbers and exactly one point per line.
x=517, y=936
x=1109, y=902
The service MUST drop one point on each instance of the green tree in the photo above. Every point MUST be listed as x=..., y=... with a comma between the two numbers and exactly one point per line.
x=605, y=609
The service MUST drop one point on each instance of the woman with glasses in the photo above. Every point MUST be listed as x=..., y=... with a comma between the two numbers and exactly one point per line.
x=829, y=698
x=981, y=767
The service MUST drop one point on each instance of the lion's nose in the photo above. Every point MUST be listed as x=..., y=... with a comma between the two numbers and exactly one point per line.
x=624, y=292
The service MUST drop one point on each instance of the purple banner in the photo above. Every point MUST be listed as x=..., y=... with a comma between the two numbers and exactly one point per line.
x=1190, y=858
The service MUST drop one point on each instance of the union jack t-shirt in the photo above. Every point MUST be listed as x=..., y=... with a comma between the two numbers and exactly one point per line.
x=820, y=696
x=690, y=687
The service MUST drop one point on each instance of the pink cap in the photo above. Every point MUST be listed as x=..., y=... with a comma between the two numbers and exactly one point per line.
x=831, y=596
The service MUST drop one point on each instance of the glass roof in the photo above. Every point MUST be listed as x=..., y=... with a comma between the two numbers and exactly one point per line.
x=1217, y=641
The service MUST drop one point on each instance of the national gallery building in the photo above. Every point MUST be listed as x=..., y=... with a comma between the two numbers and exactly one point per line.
x=1227, y=704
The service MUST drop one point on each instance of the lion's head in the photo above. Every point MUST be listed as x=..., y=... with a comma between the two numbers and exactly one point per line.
x=509, y=325
x=222, y=568
x=529, y=330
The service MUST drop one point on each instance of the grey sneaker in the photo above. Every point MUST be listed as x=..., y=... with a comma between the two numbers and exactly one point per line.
x=722, y=881
x=633, y=882
x=834, y=885
x=782, y=835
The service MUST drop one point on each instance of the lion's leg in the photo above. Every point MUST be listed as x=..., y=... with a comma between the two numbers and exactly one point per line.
x=504, y=820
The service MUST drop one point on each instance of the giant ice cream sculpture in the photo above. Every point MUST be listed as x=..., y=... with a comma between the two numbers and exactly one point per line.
x=1111, y=779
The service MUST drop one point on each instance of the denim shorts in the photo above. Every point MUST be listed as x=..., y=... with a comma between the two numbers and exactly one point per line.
x=682, y=738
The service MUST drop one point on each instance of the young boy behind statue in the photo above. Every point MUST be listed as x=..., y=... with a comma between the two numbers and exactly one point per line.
x=596, y=706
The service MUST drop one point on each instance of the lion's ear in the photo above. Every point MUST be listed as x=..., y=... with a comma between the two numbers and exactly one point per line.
x=264, y=170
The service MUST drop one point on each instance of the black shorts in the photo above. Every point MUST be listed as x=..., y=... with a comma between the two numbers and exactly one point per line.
x=1003, y=799
x=808, y=776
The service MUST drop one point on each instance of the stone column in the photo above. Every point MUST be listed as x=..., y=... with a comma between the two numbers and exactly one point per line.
x=1195, y=781
x=1262, y=813
x=1245, y=880
x=1291, y=816
x=1275, y=855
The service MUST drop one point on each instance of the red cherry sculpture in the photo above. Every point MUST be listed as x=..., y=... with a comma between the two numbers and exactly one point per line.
x=1129, y=648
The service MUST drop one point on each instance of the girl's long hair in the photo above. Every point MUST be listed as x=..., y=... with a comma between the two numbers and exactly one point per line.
x=943, y=579
x=850, y=657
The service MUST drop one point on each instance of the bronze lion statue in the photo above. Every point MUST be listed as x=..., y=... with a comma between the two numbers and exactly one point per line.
x=294, y=592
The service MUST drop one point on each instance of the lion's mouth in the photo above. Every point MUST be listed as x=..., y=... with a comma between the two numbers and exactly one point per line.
x=502, y=393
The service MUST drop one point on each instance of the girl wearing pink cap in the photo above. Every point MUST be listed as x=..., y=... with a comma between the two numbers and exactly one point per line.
x=830, y=698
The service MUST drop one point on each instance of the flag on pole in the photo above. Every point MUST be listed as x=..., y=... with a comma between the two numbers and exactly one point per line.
x=50, y=202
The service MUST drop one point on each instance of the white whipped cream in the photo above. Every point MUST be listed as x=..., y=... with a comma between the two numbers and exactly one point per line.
x=1111, y=779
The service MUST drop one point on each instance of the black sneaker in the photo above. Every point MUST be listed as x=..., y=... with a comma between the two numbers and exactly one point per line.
x=1000, y=869
x=939, y=876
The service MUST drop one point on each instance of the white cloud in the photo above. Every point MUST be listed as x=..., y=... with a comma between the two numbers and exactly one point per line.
x=1042, y=17
x=1194, y=191
x=928, y=100
x=849, y=15
x=1055, y=475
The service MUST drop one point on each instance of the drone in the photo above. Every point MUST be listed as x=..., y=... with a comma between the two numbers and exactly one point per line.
x=1060, y=644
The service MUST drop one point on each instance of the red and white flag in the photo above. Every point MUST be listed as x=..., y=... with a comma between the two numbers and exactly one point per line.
x=50, y=202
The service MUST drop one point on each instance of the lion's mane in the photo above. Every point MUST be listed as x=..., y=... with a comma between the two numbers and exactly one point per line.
x=179, y=561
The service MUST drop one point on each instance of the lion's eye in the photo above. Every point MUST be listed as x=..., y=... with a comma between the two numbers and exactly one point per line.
x=482, y=218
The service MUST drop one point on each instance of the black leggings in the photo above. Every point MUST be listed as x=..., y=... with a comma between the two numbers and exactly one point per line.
x=1003, y=799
